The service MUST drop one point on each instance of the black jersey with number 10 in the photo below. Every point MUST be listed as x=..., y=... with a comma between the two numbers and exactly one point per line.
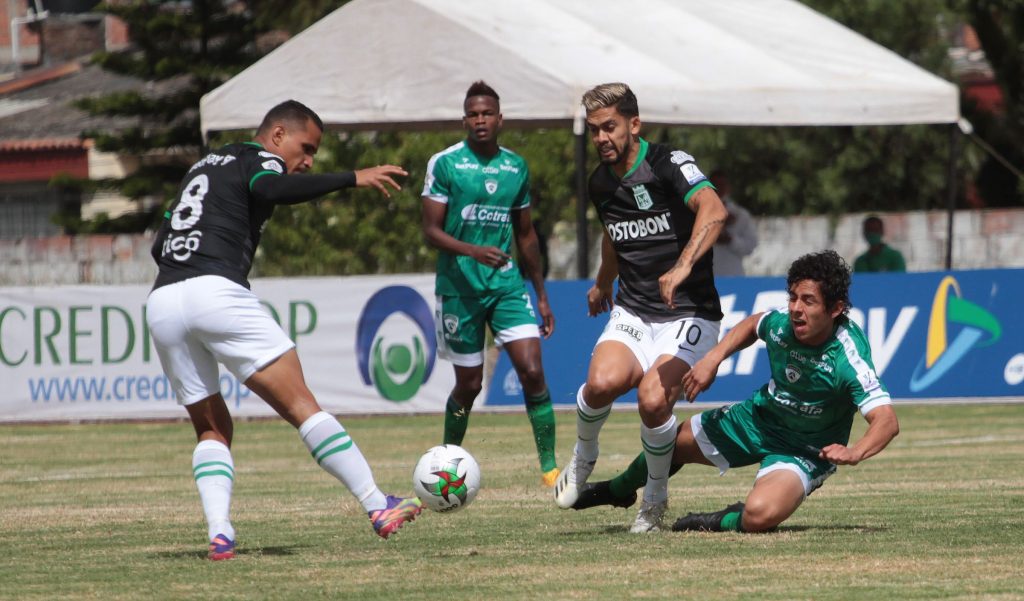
x=645, y=215
x=214, y=226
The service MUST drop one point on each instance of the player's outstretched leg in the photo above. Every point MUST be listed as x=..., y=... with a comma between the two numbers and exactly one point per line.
x=728, y=519
x=336, y=452
x=214, y=472
x=542, y=421
x=584, y=455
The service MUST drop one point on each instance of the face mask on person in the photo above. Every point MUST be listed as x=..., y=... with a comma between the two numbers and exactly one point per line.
x=873, y=239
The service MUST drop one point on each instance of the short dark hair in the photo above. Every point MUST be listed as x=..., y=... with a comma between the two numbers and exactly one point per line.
x=873, y=219
x=290, y=111
x=829, y=270
x=480, y=88
x=617, y=95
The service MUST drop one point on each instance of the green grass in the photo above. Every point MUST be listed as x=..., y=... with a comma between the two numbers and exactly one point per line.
x=110, y=511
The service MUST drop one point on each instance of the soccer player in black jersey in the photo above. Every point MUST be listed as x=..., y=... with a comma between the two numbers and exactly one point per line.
x=201, y=311
x=661, y=217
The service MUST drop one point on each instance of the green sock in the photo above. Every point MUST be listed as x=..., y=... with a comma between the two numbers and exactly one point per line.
x=635, y=477
x=456, y=419
x=732, y=521
x=542, y=419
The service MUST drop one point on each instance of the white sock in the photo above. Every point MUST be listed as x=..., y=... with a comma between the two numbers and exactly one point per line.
x=659, y=444
x=337, y=453
x=214, y=471
x=588, y=427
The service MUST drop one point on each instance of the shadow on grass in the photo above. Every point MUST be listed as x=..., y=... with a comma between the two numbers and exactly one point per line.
x=865, y=529
x=239, y=552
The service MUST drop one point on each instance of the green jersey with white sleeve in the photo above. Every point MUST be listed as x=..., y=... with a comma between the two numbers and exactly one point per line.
x=814, y=391
x=481, y=194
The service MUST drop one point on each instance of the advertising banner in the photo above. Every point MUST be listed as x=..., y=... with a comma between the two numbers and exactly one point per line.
x=367, y=345
x=933, y=336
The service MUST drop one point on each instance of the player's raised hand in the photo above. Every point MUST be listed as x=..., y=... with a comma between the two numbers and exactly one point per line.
x=380, y=177
x=599, y=300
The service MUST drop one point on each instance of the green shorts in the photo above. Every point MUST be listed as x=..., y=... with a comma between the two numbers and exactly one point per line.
x=733, y=436
x=462, y=322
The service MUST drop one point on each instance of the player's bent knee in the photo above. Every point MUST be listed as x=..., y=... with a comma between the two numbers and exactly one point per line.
x=761, y=516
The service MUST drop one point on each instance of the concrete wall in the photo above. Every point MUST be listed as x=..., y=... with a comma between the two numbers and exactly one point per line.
x=982, y=239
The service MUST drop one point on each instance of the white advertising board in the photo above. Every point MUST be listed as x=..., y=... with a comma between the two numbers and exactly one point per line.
x=367, y=345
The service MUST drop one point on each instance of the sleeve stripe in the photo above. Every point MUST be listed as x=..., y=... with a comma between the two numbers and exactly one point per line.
x=261, y=174
x=693, y=190
x=879, y=401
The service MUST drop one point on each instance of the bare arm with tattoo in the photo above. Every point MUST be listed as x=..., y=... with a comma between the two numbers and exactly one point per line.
x=711, y=215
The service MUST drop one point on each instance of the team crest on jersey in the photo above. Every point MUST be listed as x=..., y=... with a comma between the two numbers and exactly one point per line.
x=793, y=373
x=451, y=322
x=491, y=185
x=642, y=197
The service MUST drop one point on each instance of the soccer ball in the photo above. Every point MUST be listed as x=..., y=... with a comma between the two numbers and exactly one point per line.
x=446, y=478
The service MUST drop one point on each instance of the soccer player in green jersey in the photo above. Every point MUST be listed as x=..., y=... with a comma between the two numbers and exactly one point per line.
x=797, y=426
x=476, y=200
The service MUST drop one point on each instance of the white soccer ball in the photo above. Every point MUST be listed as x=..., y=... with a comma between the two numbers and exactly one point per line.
x=446, y=478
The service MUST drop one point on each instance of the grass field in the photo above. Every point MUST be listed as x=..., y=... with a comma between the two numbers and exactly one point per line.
x=110, y=511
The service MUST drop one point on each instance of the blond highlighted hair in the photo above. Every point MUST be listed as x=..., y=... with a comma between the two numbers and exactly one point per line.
x=616, y=95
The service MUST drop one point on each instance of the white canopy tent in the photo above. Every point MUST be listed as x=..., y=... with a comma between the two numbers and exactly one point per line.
x=383, y=64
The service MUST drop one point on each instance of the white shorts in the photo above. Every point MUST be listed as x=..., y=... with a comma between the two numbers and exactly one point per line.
x=688, y=339
x=207, y=320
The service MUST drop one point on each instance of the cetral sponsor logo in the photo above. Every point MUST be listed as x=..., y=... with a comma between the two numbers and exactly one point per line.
x=395, y=367
x=793, y=373
x=491, y=185
x=642, y=197
x=486, y=214
x=638, y=228
x=490, y=170
x=679, y=157
x=979, y=329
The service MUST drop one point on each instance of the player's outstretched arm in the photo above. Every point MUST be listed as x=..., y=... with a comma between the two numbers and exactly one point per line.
x=433, y=231
x=295, y=188
x=883, y=426
x=600, y=297
x=711, y=216
x=702, y=375
x=380, y=177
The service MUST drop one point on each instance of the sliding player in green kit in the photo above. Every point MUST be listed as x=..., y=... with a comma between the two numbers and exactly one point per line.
x=797, y=426
x=476, y=200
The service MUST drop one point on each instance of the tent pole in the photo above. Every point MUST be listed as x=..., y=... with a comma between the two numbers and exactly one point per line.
x=582, y=241
x=951, y=193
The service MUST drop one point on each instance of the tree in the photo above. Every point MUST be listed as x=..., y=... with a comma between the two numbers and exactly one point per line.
x=184, y=50
x=1000, y=28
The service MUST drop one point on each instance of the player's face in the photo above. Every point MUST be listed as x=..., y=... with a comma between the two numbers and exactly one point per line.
x=812, y=321
x=297, y=145
x=482, y=119
x=612, y=134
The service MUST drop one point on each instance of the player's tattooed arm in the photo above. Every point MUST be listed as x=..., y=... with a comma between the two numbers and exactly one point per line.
x=711, y=216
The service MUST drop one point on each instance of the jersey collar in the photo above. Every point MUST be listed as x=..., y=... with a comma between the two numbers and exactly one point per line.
x=640, y=156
